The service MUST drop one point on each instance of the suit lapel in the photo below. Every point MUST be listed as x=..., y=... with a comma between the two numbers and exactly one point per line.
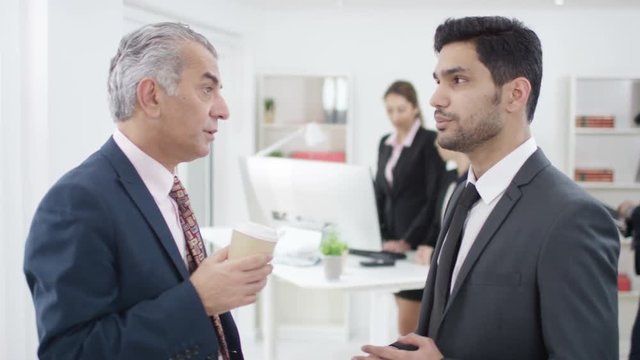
x=536, y=162
x=143, y=200
x=491, y=225
x=385, y=156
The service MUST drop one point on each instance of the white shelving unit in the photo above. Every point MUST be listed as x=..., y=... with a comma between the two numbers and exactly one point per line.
x=616, y=148
x=301, y=99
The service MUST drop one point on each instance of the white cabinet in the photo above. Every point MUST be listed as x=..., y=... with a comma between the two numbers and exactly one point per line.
x=287, y=104
x=604, y=141
x=604, y=158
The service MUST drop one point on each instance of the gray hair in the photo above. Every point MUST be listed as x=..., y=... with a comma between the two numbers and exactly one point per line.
x=151, y=51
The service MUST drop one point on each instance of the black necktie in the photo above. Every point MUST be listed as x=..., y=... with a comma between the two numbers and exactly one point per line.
x=449, y=254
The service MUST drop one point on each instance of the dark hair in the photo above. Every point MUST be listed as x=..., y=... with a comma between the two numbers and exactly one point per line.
x=505, y=46
x=407, y=91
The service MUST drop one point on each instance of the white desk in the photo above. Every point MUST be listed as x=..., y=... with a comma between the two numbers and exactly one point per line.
x=378, y=281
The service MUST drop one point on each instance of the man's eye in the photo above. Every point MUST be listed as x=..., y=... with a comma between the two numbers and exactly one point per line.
x=208, y=90
x=459, y=80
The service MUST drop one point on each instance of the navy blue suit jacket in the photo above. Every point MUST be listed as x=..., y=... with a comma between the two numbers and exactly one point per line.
x=106, y=276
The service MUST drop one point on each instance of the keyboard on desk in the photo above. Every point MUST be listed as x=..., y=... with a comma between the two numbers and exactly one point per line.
x=378, y=254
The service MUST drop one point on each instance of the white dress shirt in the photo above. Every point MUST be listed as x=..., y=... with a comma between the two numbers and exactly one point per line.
x=491, y=186
x=159, y=182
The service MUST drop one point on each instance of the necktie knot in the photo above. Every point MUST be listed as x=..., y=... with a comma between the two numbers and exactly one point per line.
x=178, y=193
x=469, y=196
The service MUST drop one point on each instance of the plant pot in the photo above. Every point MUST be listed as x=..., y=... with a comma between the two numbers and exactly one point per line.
x=269, y=115
x=333, y=266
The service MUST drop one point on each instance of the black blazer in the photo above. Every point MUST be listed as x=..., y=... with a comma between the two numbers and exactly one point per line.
x=633, y=228
x=407, y=209
x=106, y=276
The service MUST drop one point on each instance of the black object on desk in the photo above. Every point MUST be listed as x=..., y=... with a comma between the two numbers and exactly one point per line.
x=378, y=254
x=378, y=262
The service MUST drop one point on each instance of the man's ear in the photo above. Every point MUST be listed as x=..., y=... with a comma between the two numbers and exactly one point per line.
x=519, y=90
x=148, y=94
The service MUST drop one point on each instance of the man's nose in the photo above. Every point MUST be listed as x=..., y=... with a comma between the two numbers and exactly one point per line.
x=220, y=110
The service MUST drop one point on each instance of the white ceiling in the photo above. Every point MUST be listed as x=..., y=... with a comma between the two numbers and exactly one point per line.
x=435, y=4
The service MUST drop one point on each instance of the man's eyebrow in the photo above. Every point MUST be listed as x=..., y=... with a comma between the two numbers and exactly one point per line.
x=451, y=71
x=213, y=79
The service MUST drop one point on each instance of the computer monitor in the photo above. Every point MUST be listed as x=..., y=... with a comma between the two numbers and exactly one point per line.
x=311, y=194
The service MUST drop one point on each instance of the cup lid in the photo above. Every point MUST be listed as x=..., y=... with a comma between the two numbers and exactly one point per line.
x=258, y=231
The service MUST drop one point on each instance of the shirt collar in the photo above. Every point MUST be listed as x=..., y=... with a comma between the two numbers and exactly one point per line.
x=496, y=180
x=408, y=140
x=156, y=177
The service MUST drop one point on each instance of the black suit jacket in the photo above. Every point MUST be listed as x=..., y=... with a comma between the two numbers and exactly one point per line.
x=539, y=281
x=633, y=229
x=106, y=276
x=407, y=210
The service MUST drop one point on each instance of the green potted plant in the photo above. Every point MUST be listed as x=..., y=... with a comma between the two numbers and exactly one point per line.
x=276, y=153
x=334, y=252
x=269, y=110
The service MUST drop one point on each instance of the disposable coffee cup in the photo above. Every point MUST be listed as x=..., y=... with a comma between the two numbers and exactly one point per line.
x=250, y=239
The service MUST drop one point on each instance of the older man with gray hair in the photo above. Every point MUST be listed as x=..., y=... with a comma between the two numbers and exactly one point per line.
x=114, y=258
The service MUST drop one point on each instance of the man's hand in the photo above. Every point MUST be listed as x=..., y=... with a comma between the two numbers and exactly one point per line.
x=398, y=246
x=227, y=284
x=423, y=254
x=427, y=350
x=624, y=209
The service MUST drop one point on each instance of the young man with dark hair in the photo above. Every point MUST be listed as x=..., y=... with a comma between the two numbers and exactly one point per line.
x=525, y=266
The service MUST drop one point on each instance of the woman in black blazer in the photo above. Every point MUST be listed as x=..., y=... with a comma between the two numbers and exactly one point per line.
x=407, y=183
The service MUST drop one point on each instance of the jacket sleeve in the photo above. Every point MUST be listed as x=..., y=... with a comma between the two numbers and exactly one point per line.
x=577, y=281
x=419, y=232
x=73, y=271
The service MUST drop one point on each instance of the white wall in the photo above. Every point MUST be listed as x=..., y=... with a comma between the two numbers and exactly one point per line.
x=83, y=37
x=13, y=302
x=379, y=46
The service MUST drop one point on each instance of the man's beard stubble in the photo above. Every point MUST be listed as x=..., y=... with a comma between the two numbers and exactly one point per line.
x=469, y=139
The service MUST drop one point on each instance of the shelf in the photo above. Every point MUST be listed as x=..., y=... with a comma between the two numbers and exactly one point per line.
x=615, y=132
x=608, y=185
